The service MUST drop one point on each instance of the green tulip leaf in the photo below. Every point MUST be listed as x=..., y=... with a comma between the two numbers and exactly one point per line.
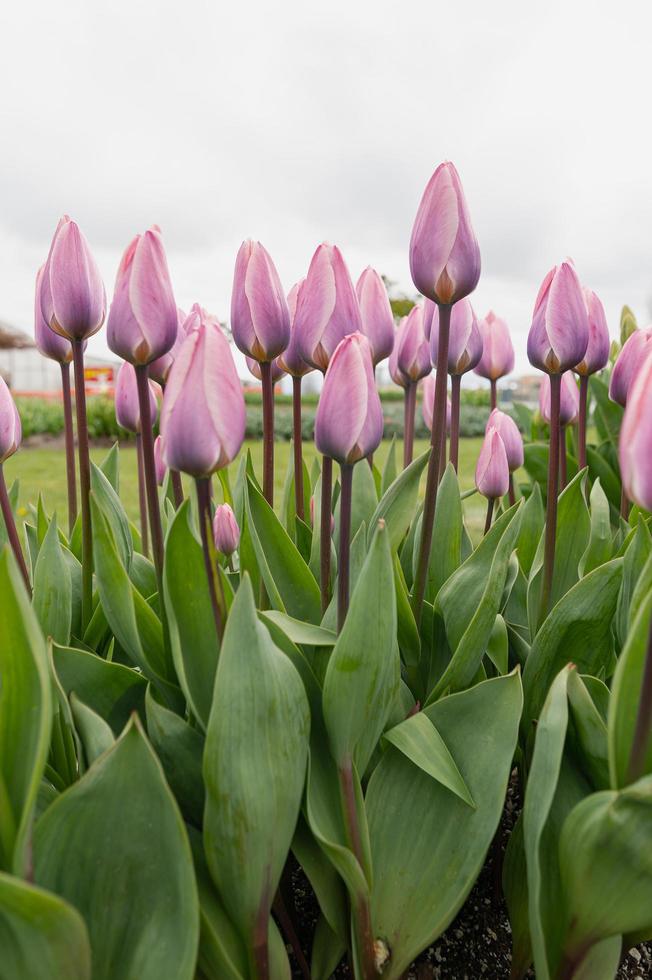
x=398, y=504
x=625, y=698
x=299, y=632
x=52, y=596
x=600, y=546
x=180, y=749
x=111, y=690
x=110, y=504
x=634, y=559
x=95, y=734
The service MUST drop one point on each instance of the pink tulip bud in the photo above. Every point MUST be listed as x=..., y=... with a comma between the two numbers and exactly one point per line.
x=465, y=342
x=569, y=404
x=410, y=358
x=254, y=367
x=225, y=530
x=73, y=298
x=327, y=307
x=127, y=409
x=560, y=328
x=349, y=420
x=492, y=470
x=159, y=463
x=377, y=316
x=312, y=515
x=444, y=253
x=10, y=427
x=291, y=360
x=635, y=443
x=428, y=403
x=512, y=438
x=196, y=317
x=497, y=351
x=160, y=368
x=633, y=353
x=596, y=354
x=203, y=415
x=429, y=309
x=143, y=319
x=49, y=343
x=260, y=319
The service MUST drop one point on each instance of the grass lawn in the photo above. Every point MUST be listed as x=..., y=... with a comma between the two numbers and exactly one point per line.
x=42, y=470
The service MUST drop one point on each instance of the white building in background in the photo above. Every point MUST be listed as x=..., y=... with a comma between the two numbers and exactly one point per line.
x=27, y=372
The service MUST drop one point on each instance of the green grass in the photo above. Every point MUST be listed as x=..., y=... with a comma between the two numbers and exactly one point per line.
x=42, y=470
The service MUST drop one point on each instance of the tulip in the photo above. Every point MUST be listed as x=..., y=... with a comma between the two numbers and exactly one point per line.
x=635, y=452
x=160, y=368
x=59, y=349
x=513, y=442
x=444, y=253
x=73, y=303
x=277, y=372
x=464, y=352
x=159, y=462
x=348, y=426
x=429, y=309
x=492, y=470
x=408, y=363
x=559, y=334
x=376, y=312
x=225, y=530
x=569, y=402
x=127, y=408
x=497, y=352
x=634, y=352
x=203, y=427
x=260, y=319
x=10, y=436
x=428, y=402
x=292, y=362
x=327, y=307
x=595, y=358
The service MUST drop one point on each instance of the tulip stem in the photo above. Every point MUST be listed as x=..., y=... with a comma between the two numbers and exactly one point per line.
x=584, y=398
x=360, y=905
x=510, y=490
x=551, y=503
x=12, y=533
x=142, y=495
x=297, y=446
x=563, y=464
x=151, y=486
x=71, y=473
x=84, y=483
x=408, y=425
x=325, y=530
x=456, y=381
x=490, y=511
x=494, y=393
x=177, y=487
x=438, y=432
x=216, y=592
x=643, y=726
x=442, y=456
x=346, y=479
x=624, y=502
x=268, y=431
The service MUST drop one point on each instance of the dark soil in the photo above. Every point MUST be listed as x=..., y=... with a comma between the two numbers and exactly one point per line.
x=478, y=942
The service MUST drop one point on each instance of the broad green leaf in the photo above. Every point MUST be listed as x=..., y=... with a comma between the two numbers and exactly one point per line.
x=409, y=641
x=25, y=715
x=180, y=749
x=599, y=548
x=143, y=575
x=254, y=767
x=111, y=506
x=114, y=846
x=421, y=879
x=94, y=732
x=363, y=671
x=110, y=467
x=634, y=559
x=398, y=504
x=364, y=500
x=498, y=645
x=533, y=517
x=193, y=636
x=625, y=698
x=42, y=936
x=288, y=580
x=607, y=414
x=390, y=471
x=600, y=468
x=299, y=632
x=418, y=740
x=52, y=596
x=587, y=733
x=111, y=690
x=446, y=553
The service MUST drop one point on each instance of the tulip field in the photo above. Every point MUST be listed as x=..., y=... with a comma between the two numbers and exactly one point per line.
x=273, y=710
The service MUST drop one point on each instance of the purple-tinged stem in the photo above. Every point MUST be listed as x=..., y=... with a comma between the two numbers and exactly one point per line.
x=551, y=503
x=584, y=398
x=360, y=908
x=624, y=503
x=438, y=430
x=177, y=487
x=12, y=533
x=151, y=486
x=456, y=381
x=215, y=590
x=494, y=393
x=71, y=473
x=268, y=431
x=410, y=403
x=142, y=496
x=510, y=490
x=84, y=482
x=325, y=531
x=490, y=511
x=346, y=479
x=563, y=460
x=297, y=446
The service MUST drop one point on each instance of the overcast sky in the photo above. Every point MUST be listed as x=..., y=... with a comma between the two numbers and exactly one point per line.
x=294, y=123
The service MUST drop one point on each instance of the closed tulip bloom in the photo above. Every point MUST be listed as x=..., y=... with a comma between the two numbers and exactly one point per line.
x=497, y=350
x=49, y=343
x=559, y=334
x=225, y=530
x=410, y=358
x=159, y=462
x=327, y=307
x=569, y=403
x=349, y=420
x=73, y=298
x=377, y=316
x=127, y=411
x=428, y=402
x=203, y=415
x=277, y=371
x=160, y=368
x=511, y=436
x=634, y=352
x=492, y=469
x=444, y=253
x=260, y=319
x=143, y=319
x=465, y=342
x=291, y=360
x=635, y=443
x=10, y=427
x=596, y=354
x=429, y=309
